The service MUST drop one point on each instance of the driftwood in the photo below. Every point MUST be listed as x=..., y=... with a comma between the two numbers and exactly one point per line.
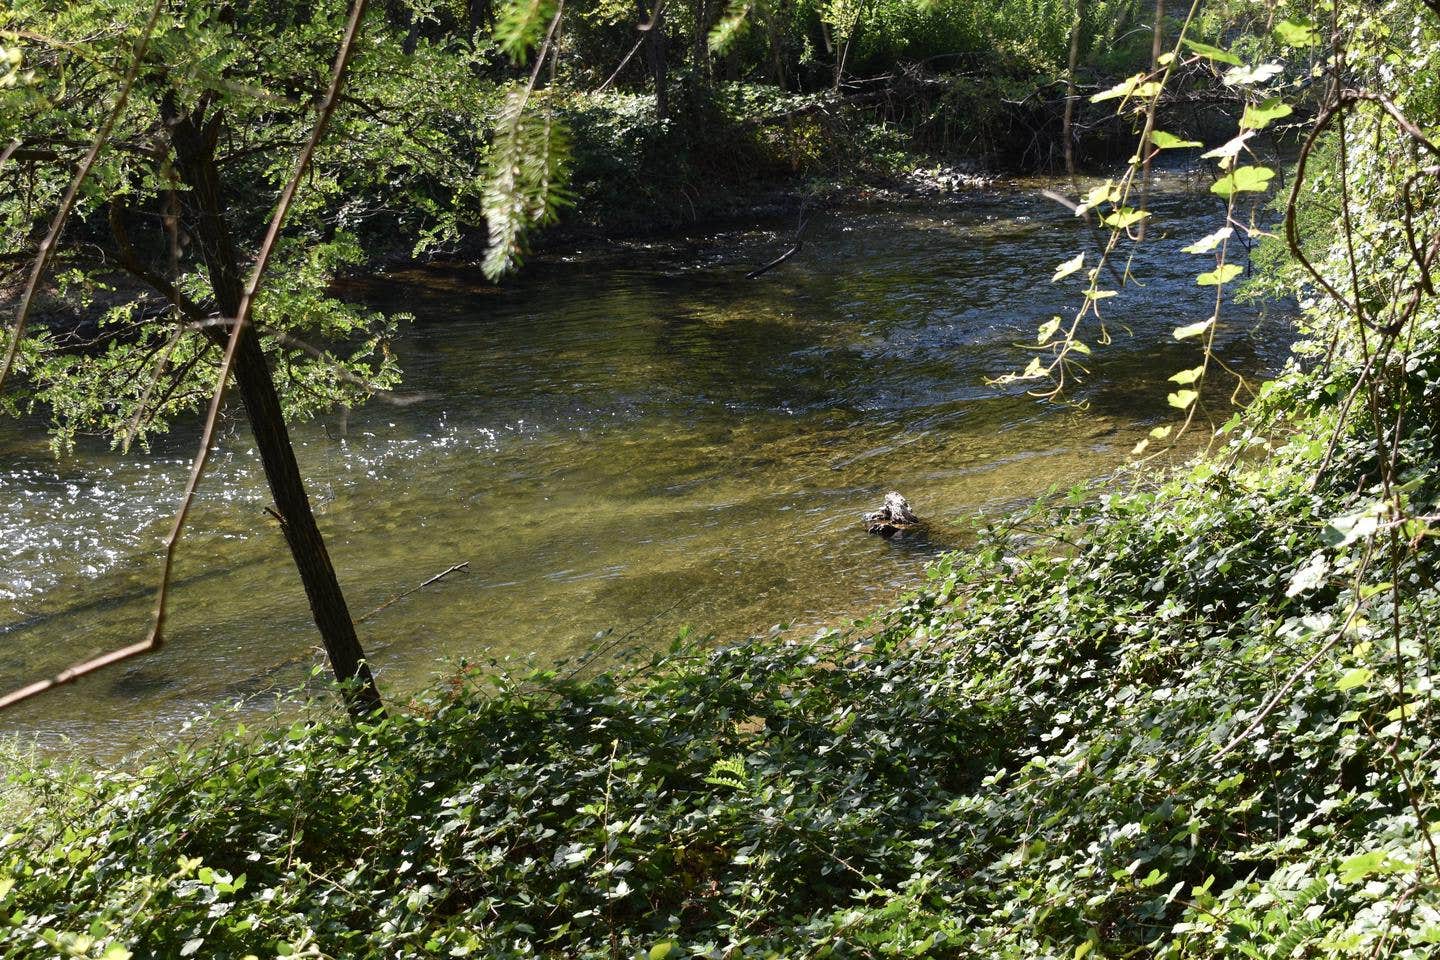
x=892, y=518
x=794, y=249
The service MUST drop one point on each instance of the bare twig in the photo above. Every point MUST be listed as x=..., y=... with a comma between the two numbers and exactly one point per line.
x=462, y=565
x=794, y=249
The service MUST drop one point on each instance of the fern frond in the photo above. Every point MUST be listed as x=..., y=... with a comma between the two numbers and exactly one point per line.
x=521, y=24
x=526, y=183
x=729, y=27
x=728, y=773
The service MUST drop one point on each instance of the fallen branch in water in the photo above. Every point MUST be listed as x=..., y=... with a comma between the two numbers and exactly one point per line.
x=794, y=249
x=463, y=565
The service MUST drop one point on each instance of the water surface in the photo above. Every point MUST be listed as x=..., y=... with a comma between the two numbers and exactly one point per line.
x=621, y=443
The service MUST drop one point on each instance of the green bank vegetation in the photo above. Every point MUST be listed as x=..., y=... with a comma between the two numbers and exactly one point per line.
x=1187, y=715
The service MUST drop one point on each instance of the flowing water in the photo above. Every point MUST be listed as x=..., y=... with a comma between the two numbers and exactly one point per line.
x=621, y=443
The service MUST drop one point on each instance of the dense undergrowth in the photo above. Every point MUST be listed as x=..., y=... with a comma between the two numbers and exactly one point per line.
x=1064, y=744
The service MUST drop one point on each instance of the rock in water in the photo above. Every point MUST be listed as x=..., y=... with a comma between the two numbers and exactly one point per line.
x=894, y=517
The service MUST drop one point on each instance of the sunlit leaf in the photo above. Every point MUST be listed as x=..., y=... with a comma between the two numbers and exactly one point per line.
x=1294, y=34
x=1124, y=88
x=1212, y=53
x=1309, y=576
x=1210, y=241
x=1160, y=433
x=1124, y=217
x=1243, y=76
x=1242, y=180
x=1192, y=329
x=1345, y=530
x=1168, y=141
x=1363, y=865
x=1260, y=116
x=1068, y=267
x=1100, y=294
x=1047, y=330
x=1221, y=274
x=1229, y=150
x=1186, y=377
x=1181, y=399
x=1354, y=677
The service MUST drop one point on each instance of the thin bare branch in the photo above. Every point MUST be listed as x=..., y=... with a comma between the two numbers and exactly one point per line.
x=67, y=203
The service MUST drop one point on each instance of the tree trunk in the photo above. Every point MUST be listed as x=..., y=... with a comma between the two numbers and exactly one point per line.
x=194, y=140
x=1075, y=30
x=1156, y=43
x=655, y=53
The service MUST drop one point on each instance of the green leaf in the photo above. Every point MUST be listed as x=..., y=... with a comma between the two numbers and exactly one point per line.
x=1221, y=274
x=1213, y=53
x=1210, y=241
x=661, y=950
x=1243, y=76
x=1367, y=864
x=1101, y=294
x=1068, y=267
x=1124, y=88
x=1181, y=399
x=1242, y=180
x=1294, y=34
x=1124, y=217
x=1355, y=677
x=1160, y=433
x=1193, y=329
x=1168, y=141
x=1345, y=530
x=1187, y=377
x=1047, y=330
x=1260, y=116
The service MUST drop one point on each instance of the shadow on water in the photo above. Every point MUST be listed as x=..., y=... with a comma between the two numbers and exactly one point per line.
x=628, y=440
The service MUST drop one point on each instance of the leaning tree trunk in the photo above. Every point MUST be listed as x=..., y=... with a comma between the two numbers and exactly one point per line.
x=194, y=141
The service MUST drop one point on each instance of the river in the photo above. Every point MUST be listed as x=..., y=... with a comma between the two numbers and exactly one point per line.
x=622, y=443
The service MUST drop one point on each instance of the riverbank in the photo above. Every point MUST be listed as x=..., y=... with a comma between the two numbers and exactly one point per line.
x=1067, y=743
